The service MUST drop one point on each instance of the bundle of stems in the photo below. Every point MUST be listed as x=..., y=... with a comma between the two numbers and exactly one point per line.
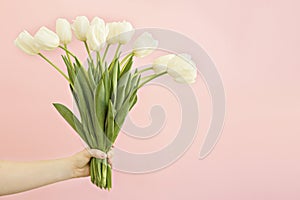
x=104, y=94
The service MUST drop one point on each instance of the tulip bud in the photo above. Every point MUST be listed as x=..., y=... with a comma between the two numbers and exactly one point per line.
x=182, y=68
x=144, y=45
x=96, y=34
x=97, y=20
x=160, y=64
x=119, y=32
x=26, y=43
x=46, y=39
x=80, y=27
x=63, y=30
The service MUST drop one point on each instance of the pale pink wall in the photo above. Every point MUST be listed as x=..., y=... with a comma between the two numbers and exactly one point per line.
x=255, y=45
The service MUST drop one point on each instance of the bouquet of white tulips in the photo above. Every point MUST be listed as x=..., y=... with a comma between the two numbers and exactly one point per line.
x=105, y=91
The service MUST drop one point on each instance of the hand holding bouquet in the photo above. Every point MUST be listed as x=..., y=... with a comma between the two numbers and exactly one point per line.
x=105, y=91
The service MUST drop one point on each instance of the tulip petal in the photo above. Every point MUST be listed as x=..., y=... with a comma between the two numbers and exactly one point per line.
x=26, y=43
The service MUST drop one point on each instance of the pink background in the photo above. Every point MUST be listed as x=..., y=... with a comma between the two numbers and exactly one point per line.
x=255, y=45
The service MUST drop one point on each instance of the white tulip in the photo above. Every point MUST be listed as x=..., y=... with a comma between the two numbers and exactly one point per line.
x=26, y=43
x=182, y=68
x=46, y=39
x=80, y=27
x=160, y=64
x=97, y=20
x=144, y=45
x=119, y=32
x=63, y=30
x=96, y=34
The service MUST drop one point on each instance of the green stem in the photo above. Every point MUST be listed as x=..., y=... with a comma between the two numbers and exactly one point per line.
x=99, y=60
x=151, y=77
x=105, y=52
x=117, y=51
x=59, y=70
x=141, y=71
x=146, y=69
x=88, y=50
x=67, y=51
x=68, y=55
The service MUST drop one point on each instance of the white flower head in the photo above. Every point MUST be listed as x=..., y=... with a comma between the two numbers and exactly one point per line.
x=46, y=39
x=26, y=43
x=119, y=32
x=80, y=27
x=182, y=68
x=63, y=30
x=160, y=64
x=144, y=45
x=97, y=34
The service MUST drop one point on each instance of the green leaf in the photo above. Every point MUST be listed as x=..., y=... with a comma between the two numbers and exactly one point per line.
x=114, y=82
x=100, y=135
x=121, y=96
x=99, y=112
x=77, y=62
x=99, y=71
x=133, y=95
x=84, y=118
x=133, y=102
x=120, y=118
x=110, y=123
x=71, y=119
x=107, y=85
x=127, y=65
x=111, y=64
x=128, y=85
x=123, y=79
x=133, y=83
x=100, y=104
x=135, y=88
x=119, y=71
x=86, y=105
x=91, y=78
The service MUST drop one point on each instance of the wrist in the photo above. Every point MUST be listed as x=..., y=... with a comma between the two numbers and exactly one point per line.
x=66, y=168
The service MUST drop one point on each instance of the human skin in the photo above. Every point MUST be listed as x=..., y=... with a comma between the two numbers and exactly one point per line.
x=22, y=176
